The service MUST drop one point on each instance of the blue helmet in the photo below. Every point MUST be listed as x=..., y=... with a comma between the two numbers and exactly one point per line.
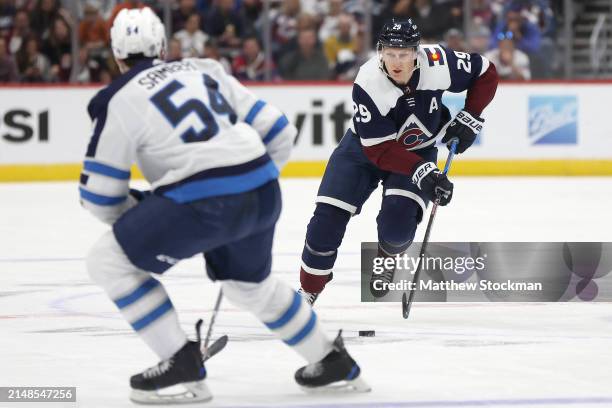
x=399, y=33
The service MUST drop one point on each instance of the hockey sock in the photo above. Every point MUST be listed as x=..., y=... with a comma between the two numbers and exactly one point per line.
x=141, y=299
x=284, y=312
x=323, y=237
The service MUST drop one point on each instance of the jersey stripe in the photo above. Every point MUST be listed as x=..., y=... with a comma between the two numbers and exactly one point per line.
x=211, y=186
x=100, y=199
x=278, y=126
x=376, y=140
x=257, y=107
x=106, y=170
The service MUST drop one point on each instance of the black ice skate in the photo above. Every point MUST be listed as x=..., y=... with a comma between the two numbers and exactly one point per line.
x=379, y=281
x=184, y=369
x=336, y=372
x=310, y=298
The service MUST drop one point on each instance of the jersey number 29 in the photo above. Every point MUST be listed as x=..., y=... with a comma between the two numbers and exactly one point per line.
x=463, y=61
x=175, y=114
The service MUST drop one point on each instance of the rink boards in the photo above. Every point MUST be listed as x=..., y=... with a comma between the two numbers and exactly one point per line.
x=531, y=129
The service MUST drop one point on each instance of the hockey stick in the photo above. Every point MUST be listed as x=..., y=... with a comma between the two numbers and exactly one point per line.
x=216, y=347
x=407, y=300
x=220, y=343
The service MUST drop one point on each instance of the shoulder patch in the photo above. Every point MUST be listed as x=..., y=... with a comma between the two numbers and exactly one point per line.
x=375, y=83
x=435, y=56
x=433, y=64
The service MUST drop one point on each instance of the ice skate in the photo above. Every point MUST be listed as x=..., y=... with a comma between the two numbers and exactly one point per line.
x=337, y=372
x=309, y=297
x=179, y=379
x=379, y=282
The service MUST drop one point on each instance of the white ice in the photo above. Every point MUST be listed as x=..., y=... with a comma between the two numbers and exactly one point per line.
x=57, y=329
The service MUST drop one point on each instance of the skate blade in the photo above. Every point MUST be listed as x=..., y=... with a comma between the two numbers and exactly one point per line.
x=193, y=392
x=353, y=386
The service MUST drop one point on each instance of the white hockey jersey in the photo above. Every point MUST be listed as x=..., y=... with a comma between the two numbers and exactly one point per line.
x=193, y=130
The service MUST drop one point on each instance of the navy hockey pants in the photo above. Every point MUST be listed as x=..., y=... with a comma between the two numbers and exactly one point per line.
x=349, y=179
x=235, y=233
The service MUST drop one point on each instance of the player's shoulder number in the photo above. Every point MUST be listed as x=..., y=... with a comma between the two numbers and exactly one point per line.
x=361, y=113
x=463, y=61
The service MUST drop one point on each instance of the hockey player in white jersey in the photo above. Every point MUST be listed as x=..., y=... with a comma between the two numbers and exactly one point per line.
x=212, y=153
x=398, y=117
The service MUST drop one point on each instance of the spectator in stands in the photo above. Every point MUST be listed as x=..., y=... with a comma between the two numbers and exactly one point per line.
x=8, y=68
x=33, y=66
x=250, y=13
x=348, y=64
x=7, y=15
x=58, y=49
x=304, y=22
x=329, y=26
x=94, y=40
x=213, y=51
x=44, y=14
x=454, y=40
x=433, y=20
x=307, y=62
x=510, y=62
x=125, y=4
x=316, y=8
x=186, y=8
x=526, y=35
x=21, y=30
x=192, y=39
x=175, y=51
x=105, y=7
x=225, y=23
x=482, y=13
x=93, y=34
x=455, y=8
x=343, y=40
x=284, y=26
x=94, y=70
x=251, y=65
x=479, y=39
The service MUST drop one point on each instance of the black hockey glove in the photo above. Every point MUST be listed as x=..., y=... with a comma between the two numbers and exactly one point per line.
x=464, y=127
x=432, y=182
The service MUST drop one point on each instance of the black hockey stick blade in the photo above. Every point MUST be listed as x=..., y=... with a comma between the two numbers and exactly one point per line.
x=216, y=347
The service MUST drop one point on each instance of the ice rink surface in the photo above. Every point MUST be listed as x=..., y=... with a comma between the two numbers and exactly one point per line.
x=57, y=329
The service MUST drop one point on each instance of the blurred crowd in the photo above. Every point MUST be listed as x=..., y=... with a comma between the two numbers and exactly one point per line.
x=68, y=40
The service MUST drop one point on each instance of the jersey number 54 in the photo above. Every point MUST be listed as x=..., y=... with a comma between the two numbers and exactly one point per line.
x=176, y=114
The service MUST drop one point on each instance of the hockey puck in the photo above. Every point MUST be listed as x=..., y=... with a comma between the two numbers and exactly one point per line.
x=366, y=333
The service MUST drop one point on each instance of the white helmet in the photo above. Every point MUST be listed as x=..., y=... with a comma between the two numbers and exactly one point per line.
x=137, y=31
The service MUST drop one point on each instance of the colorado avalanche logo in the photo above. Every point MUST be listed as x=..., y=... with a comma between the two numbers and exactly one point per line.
x=412, y=136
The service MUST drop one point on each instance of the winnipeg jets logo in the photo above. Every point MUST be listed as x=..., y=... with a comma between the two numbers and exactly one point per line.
x=412, y=136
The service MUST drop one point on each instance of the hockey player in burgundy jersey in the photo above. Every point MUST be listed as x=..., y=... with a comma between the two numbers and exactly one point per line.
x=398, y=117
